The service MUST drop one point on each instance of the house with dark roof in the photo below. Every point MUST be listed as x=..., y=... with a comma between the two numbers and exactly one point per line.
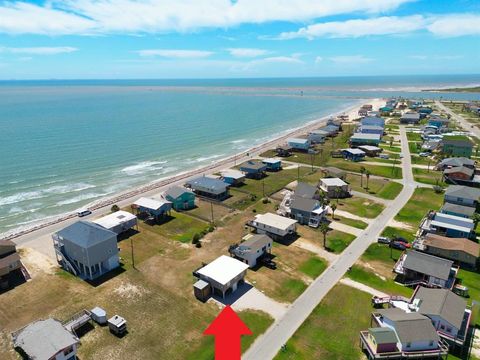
x=306, y=191
x=462, y=195
x=455, y=162
x=438, y=121
x=419, y=268
x=252, y=247
x=318, y=136
x=458, y=210
x=209, y=187
x=410, y=118
x=458, y=174
x=254, y=169
x=371, y=129
x=353, y=154
x=457, y=145
x=307, y=211
x=86, y=249
x=180, y=197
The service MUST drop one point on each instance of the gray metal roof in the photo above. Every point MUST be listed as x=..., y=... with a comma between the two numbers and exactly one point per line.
x=256, y=242
x=411, y=116
x=428, y=264
x=176, y=191
x=459, y=209
x=304, y=204
x=467, y=171
x=463, y=192
x=457, y=161
x=442, y=302
x=253, y=165
x=305, y=190
x=44, y=338
x=383, y=335
x=86, y=234
x=207, y=184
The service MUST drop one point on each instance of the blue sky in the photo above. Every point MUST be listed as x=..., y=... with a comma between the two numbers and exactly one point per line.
x=78, y=39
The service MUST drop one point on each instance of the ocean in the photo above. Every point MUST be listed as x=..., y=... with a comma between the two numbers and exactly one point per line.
x=66, y=144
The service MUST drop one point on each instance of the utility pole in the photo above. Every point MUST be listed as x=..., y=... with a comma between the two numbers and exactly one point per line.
x=298, y=172
x=263, y=186
x=211, y=209
x=133, y=257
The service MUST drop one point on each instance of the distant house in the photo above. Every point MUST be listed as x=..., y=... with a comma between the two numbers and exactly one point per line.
x=353, y=154
x=223, y=274
x=447, y=225
x=424, y=110
x=86, y=249
x=9, y=261
x=420, y=268
x=410, y=118
x=460, y=173
x=438, y=122
x=299, y=144
x=306, y=191
x=370, y=150
x=283, y=151
x=462, y=195
x=386, y=109
x=275, y=226
x=331, y=130
x=252, y=247
x=334, y=188
x=118, y=222
x=459, y=250
x=273, y=164
x=307, y=211
x=371, y=129
x=373, y=121
x=317, y=136
x=458, y=210
x=209, y=187
x=180, y=197
x=233, y=177
x=46, y=340
x=457, y=145
x=456, y=162
x=254, y=169
x=155, y=208
x=359, y=139
x=333, y=172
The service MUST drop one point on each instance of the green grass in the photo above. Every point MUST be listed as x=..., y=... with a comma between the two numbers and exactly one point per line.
x=411, y=136
x=361, y=207
x=181, y=228
x=471, y=279
x=390, y=232
x=431, y=177
x=414, y=148
x=394, y=149
x=359, y=224
x=337, y=241
x=257, y=322
x=390, y=191
x=382, y=188
x=331, y=330
x=360, y=274
x=418, y=160
x=313, y=267
x=383, y=171
x=422, y=200
x=290, y=290
x=381, y=252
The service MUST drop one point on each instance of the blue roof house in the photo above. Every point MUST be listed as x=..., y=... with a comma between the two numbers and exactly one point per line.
x=373, y=121
x=209, y=187
x=353, y=154
x=371, y=129
x=358, y=139
x=299, y=144
x=273, y=164
x=254, y=169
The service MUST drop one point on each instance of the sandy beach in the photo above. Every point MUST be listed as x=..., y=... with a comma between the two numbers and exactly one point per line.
x=37, y=236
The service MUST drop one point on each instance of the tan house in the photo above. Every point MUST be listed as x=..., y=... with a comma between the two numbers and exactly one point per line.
x=9, y=260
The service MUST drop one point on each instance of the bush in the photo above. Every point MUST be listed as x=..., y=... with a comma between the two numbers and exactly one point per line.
x=254, y=210
x=438, y=189
x=211, y=228
x=253, y=197
x=198, y=244
x=196, y=238
x=266, y=201
x=114, y=208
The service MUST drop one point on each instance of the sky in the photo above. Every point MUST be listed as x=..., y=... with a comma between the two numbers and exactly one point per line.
x=126, y=39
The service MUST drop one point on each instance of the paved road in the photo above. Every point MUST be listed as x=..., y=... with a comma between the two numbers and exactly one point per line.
x=464, y=123
x=268, y=345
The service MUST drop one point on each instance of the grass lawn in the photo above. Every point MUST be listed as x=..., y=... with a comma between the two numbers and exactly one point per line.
x=257, y=322
x=382, y=188
x=394, y=149
x=313, y=267
x=359, y=224
x=414, y=148
x=383, y=171
x=431, y=177
x=471, y=279
x=332, y=329
x=390, y=232
x=181, y=227
x=382, y=161
x=419, y=160
x=381, y=252
x=361, y=207
x=337, y=241
x=411, y=136
x=422, y=200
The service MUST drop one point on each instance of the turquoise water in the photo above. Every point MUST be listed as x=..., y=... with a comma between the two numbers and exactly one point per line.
x=66, y=144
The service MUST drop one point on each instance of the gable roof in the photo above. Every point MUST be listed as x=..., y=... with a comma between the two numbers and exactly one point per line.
x=275, y=221
x=443, y=303
x=383, y=335
x=462, y=169
x=253, y=165
x=463, y=192
x=149, y=203
x=428, y=264
x=256, y=241
x=354, y=151
x=457, y=244
x=176, y=191
x=457, y=141
x=363, y=136
x=85, y=234
x=304, y=204
x=457, y=161
x=208, y=184
x=305, y=190
x=459, y=209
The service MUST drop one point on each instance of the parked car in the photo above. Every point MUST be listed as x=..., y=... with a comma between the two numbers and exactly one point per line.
x=424, y=154
x=400, y=239
x=83, y=212
x=400, y=155
x=384, y=156
x=384, y=240
x=269, y=263
x=398, y=245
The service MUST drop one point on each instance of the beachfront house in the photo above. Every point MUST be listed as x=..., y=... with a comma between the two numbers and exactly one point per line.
x=455, y=162
x=317, y=136
x=424, y=109
x=372, y=121
x=416, y=268
x=153, y=208
x=180, y=197
x=359, y=139
x=118, y=222
x=462, y=195
x=46, y=340
x=307, y=211
x=273, y=164
x=209, y=187
x=233, y=177
x=458, y=210
x=254, y=169
x=331, y=130
x=275, y=226
x=460, y=250
x=299, y=144
x=334, y=188
x=9, y=262
x=447, y=225
x=86, y=249
x=252, y=248
x=410, y=118
x=371, y=151
x=353, y=154
x=283, y=150
x=223, y=275
x=457, y=145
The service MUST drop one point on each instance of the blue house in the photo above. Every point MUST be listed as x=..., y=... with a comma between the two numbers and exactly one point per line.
x=358, y=139
x=373, y=121
x=180, y=197
x=438, y=122
x=462, y=195
x=153, y=207
x=209, y=187
x=353, y=154
x=425, y=110
x=331, y=129
x=273, y=164
x=233, y=177
x=254, y=169
x=371, y=129
x=317, y=136
x=299, y=144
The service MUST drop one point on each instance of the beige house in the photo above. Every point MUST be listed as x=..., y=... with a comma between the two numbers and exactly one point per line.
x=9, y=260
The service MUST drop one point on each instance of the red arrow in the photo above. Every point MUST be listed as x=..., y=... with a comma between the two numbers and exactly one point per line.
x=227, y=329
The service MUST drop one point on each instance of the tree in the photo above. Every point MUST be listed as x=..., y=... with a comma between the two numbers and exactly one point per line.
x=476, y=219
x=333, y=207
x=362, y=171
x=391, y=141
x=367, y=174
x=337, y=193
x=324, y=230
x=114, y=208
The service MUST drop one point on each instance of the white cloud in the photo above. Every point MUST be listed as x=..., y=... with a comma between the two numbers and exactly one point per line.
x=247, y=52
x=455, y=25
x=154, y=16
x=281, y=59
x=38, y=50
x=351, y=59
x=318, y=59
x=418, y=57
x=175, y=54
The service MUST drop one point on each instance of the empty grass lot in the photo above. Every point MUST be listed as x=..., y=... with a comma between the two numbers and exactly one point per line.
x=361, y=207
x=390, y=232
x=331, y=331
x=382, y=188
x=422, y=200
x=383, y=171
x=313, y=267
x=359, y=224
x=337, y=241
x=431, y=177
x=181, y=227
x=394, y=149
x=411, y=136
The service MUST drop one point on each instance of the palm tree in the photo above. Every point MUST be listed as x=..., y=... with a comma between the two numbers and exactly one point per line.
x=362, y=171
x=476, y=219
x=367, y=174
x=337, y=193
x=333, y=207
x=324, y=230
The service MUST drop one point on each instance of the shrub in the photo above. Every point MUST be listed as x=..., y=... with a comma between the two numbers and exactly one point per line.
x=114, y=208
x=211, y=228
x=254, y=210
x=196, y=238
x=266, y=201
x=438, y=189
x=253, y=197
x=198, y=244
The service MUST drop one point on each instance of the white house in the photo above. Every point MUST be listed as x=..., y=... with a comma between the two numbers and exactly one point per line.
x=274, y=225
x=118, y=222
x=252, y=247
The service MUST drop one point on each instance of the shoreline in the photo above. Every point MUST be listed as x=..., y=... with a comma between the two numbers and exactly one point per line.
x=100, y=206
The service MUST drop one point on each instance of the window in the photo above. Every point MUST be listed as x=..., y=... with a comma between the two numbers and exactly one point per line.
x=442, y=327
x=409, y=345
x=449, y=329
x=68, y=351
x=431, y=343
